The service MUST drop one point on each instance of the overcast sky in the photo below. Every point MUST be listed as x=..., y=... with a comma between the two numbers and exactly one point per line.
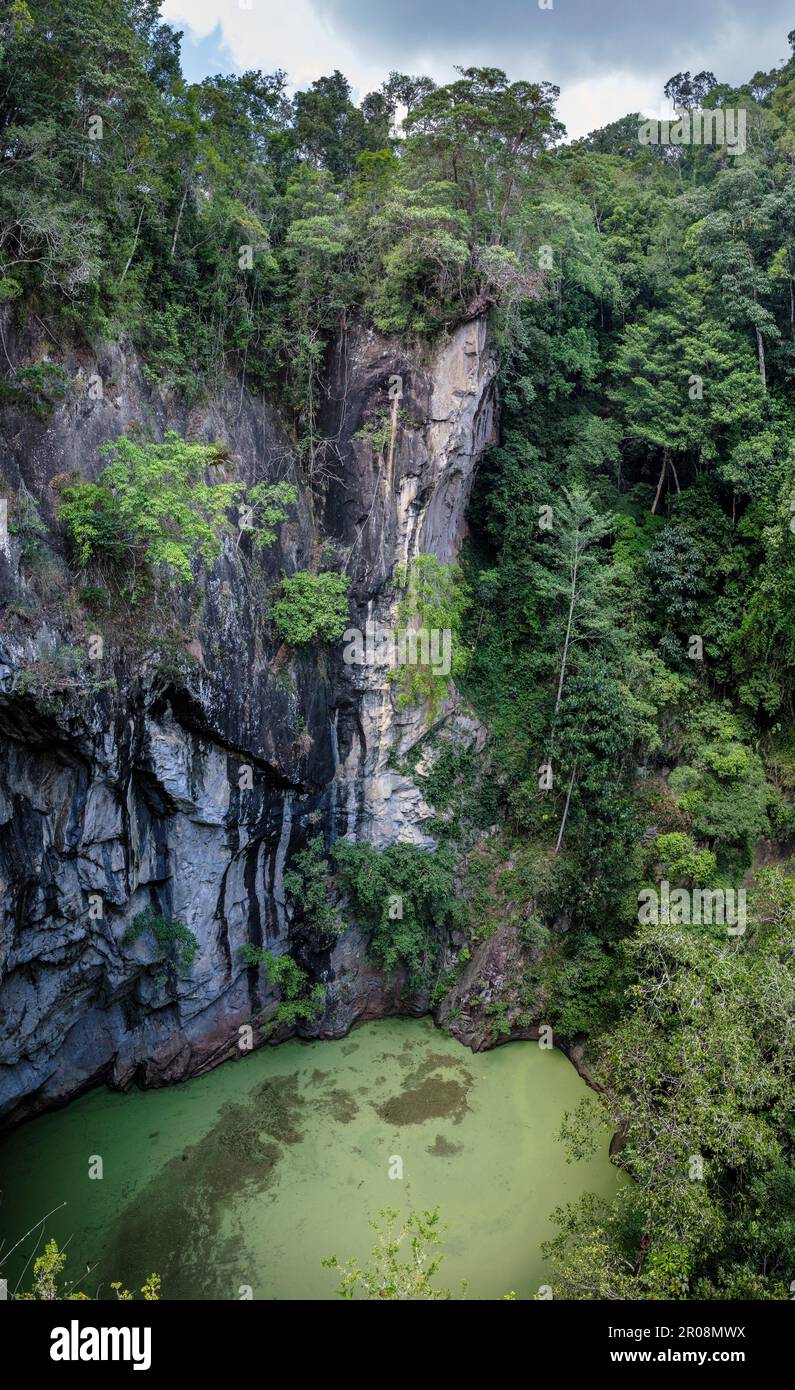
x=607, y=56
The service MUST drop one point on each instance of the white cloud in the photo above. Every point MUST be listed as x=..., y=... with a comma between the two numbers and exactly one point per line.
x=270, y=35
x=588, y=105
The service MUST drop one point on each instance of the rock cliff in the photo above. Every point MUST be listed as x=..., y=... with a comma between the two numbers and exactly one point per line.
x=120, y=778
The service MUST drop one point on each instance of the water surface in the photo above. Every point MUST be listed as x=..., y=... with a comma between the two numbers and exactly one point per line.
x=250, y=1175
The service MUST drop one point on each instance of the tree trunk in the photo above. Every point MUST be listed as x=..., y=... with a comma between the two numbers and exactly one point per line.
x=761, y=346
x=572, y=601
x=135, y=243
x=179, y=219
x=660, y=481
x=566, y=809
x=506, y=203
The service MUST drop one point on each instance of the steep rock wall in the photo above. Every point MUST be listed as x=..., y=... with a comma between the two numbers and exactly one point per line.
x=123, y=786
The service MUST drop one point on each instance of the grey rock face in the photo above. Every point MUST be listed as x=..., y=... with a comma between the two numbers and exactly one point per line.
x=387, y=510
x=128, y=789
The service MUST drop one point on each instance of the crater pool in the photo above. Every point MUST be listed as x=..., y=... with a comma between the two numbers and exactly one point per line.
x=248, y=1176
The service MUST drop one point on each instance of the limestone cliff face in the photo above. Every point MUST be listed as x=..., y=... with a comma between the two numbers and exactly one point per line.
x=386, y=509
x=120, y=779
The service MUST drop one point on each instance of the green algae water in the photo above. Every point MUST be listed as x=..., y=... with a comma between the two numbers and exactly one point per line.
x=247, y=1177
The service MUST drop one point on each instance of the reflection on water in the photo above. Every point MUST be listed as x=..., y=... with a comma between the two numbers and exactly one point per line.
x=248, y=1176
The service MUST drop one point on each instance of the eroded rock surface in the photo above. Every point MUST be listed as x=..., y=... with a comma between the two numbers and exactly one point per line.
x=125, y=789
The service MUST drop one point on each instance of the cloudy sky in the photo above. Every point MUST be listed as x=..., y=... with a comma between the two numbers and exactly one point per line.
x=607, y=56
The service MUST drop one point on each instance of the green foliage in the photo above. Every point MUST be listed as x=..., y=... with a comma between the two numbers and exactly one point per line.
x=405, y=898
x=424, y=268
x=176, y=943
x=310, y=885
x=33, y=390
x=682, y=863
x=582, y=986
x=312, y=607
x=455, y=780
x=764, y=648
x=150, y=508
x=378, y=432
x=699, y=1078
x=234, y=228
x=26, y=523
x=298, y=1002
x=722, y=789
x=48, y=1269
x=640, y=494
x=404, y=1261
x=433, y=601
x=270, y=504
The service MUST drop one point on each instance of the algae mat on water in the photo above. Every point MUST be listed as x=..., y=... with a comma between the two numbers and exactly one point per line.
x=248, y=1176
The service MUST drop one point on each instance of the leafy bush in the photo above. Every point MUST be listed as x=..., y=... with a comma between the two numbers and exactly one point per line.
x=312, y=607
x=298, y=1002
x=724, y=791
x=176, y=942
x=457, y=783
x=683, y=862
x=405, y=897
x=270, y=504
x=698, y=1070
x=47, y=1270
x=34, y=390
x=388, y=1274
x=150, y=507
x=308, y=881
